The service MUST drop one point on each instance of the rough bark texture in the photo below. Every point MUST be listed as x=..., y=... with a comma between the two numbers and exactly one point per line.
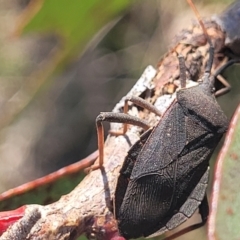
x=88, y=208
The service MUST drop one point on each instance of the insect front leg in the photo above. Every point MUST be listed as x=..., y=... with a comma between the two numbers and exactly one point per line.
x=217, y=74
x=225, y=89
x=117, y=118
x=124, y=118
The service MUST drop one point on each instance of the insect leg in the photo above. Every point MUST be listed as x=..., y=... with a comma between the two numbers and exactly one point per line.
x=113, y=117
x=218, y=75
x=203, y=211
x=139, y=102
x=121, y=118
x=227, y=86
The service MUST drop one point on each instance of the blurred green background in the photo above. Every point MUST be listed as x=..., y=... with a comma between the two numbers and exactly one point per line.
x=62, y=62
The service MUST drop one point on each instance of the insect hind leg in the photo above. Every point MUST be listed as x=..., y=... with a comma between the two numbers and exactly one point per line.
x=112, y=117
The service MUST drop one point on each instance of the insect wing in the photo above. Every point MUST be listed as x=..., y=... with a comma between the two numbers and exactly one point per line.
x=164, y=144
x=189, y=207
x=126, y=170
x=152, y=184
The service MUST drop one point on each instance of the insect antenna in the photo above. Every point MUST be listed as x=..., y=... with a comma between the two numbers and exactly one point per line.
x=208, y=67
x=182, y=70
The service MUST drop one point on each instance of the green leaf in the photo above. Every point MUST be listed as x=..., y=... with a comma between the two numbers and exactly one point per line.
x=76, y=21
x=225, y=216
